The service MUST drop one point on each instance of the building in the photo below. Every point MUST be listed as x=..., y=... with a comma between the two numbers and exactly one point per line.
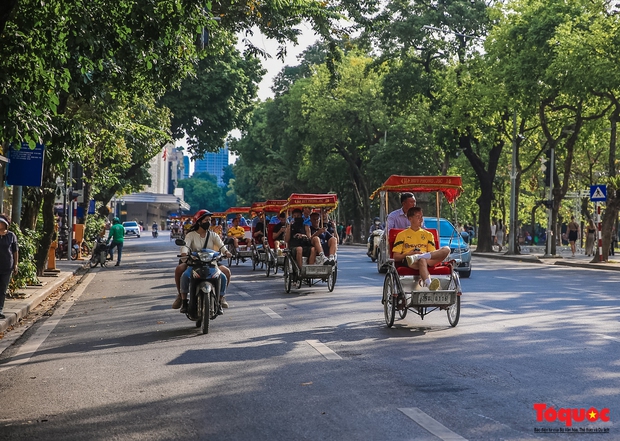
x=213, y=163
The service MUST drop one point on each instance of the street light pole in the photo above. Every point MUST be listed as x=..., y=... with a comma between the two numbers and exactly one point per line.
x=512, y=249
x=550, y=234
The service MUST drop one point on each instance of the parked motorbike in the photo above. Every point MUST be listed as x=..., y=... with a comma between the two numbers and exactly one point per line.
x=100, y=253
x=204, y=286
x=375, y=239
x=61, y=249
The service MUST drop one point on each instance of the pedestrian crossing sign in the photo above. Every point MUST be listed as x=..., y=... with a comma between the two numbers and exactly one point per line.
x=598, y=193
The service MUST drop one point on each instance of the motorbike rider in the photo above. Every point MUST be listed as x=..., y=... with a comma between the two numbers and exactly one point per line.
x=199, y=238
x=376, y=225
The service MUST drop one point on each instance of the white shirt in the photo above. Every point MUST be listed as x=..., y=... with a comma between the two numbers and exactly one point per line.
x=493, y=229
x=193, y=242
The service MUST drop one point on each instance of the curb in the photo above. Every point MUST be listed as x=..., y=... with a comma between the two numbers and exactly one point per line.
x=17, y=309
x=518, y=257
x=598, y=266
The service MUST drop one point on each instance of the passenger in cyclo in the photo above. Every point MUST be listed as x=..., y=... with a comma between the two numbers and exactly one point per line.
x=278, y=231
x=324, y=242
x=398, y=218
x=215, y=227
x=258, y=231
x=417, y=247
x=298, y=239
x=236, y=235
x=198, y=238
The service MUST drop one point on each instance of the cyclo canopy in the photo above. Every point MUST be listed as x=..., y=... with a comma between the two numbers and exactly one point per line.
x=301, y=200
x=450, y=186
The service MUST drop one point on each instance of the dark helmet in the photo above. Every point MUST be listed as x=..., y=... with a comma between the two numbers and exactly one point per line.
x=200, y=214
x=376, y=219
x=116, y=221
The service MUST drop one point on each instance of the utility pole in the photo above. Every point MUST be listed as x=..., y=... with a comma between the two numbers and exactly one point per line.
x=512, y=249
x=550, y=235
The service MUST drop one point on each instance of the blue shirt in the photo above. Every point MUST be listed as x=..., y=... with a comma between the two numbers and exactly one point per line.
x=306, y=220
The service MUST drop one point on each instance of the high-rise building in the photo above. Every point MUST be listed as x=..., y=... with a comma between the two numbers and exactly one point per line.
x=213, y=163
x=185, y=167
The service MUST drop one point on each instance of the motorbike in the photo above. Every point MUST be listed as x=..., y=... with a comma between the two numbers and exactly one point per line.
x=61, y=249
x=155, y=232
x=375, y=239
x=100, y=253
x=204, y=287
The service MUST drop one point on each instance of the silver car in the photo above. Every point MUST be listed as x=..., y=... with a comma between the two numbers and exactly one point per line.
x=131, y=229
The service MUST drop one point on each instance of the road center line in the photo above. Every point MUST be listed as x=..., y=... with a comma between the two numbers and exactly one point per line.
x=324, y=350
x=430, y=424
x=367, y=278
x=28, y=349
x=241, y=292
x=507, y=278
x=270, y=312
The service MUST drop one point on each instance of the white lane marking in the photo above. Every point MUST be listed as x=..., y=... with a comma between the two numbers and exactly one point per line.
x=28, y=349
x=368, y=278
x=506, y=278
x=270, y=312
x=608, y=337
x=241, y=292
x=324, y=350
x=430, y=424
x=490, y=308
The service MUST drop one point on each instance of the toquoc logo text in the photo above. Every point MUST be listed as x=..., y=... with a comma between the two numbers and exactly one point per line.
x=567, y=416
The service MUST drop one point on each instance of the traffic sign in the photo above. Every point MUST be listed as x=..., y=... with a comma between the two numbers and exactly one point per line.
x=598, y=193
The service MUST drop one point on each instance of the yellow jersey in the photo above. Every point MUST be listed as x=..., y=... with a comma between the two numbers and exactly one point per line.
x=237, y=232
x=408, y=240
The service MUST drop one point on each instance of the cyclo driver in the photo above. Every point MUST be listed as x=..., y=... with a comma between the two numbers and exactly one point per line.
x=199, y=237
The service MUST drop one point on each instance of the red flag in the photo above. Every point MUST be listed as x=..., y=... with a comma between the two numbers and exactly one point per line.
x=165, y=155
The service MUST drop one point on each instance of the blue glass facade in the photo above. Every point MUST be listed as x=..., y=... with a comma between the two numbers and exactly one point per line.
x=213, y=163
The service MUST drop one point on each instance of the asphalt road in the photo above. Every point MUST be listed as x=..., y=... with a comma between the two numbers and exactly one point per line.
x=115, y=362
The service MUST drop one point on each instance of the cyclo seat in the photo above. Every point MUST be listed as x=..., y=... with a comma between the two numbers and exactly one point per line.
x=442, y=268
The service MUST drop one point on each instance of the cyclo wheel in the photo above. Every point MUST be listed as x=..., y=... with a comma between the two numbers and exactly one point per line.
x=454, y=310
x=389, y=302
x=267, y=264
x=331, y=280
x=288, y=276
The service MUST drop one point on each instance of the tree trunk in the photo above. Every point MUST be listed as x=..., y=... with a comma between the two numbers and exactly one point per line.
x=48, y=191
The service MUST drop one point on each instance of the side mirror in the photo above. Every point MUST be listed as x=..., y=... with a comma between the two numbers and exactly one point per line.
x=179, y=242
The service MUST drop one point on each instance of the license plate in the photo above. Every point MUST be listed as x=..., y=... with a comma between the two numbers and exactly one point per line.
x=434, y=299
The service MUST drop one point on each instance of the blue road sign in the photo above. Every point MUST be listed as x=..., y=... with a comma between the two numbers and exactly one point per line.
x=26, y=165
x=598, y=193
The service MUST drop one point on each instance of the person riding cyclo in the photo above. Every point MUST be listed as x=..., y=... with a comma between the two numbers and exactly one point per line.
x=297, y=237
x=236, y=235
x=198, y=238
x=417, y=247
x=324, y=242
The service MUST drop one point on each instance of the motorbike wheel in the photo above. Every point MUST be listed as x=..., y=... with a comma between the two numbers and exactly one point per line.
x=205, y=314
x=85, y=249
x=57, y=253
x=73, y=253
x=94, y=261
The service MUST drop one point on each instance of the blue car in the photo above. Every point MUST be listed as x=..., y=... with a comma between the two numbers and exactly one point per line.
x=448, y=236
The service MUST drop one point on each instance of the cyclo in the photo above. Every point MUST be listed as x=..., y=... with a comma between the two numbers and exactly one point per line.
x=310, y=274
x=258, y=248
x=274, y=255
x=218, y=223
x=400, y=280
x=245, y=250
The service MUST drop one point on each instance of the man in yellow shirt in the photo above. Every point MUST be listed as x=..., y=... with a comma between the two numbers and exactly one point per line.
x=236, y=234
x=417, y=246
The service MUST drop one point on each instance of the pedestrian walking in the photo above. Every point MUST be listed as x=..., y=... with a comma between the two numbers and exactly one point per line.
x=499, y=234
x=614, y=242
x=573, y=233
x=117, y=236
x=590, y=238
x=9, y=258
x=493, y=231
x=349, y=233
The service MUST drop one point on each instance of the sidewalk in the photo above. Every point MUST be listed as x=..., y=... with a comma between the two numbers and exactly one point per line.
x=16, y=309
x=535, y=254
